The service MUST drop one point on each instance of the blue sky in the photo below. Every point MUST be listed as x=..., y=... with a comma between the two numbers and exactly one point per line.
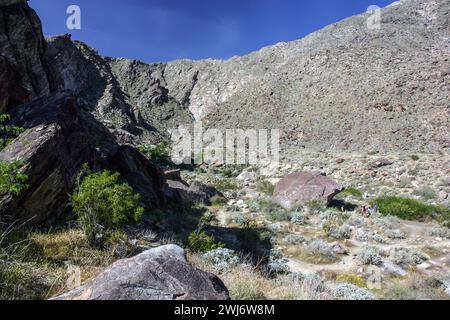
x=164, y=30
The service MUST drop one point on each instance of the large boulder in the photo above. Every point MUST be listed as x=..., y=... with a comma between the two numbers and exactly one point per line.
x=302, y=187
x=157, y=274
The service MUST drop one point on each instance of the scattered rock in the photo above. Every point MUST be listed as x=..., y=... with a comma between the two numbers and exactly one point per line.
x=394, y=269
x=157, y=274
x=379, y=163
x=442, y=195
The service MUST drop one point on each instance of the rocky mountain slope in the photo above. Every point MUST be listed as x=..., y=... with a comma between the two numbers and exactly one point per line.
x=345, y=87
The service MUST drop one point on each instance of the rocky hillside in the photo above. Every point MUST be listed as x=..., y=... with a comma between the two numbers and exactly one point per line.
x=345, y=87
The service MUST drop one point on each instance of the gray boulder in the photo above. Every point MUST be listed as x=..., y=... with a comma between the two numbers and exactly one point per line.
x=300, y=188
x=157, y=274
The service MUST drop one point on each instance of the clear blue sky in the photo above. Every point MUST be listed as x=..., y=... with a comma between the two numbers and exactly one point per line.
x=163, y=30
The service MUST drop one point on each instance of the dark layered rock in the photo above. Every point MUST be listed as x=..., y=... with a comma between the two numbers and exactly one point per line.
x=301, y=188
x=158, y=274
x=196, y=192
x=59, y=139
x=23, y=74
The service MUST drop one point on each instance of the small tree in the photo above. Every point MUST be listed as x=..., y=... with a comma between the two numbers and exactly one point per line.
x=7, y=132
x=103, y=204
x=12, y=180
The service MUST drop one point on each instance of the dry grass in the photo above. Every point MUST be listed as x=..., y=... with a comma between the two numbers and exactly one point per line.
x=246, y=282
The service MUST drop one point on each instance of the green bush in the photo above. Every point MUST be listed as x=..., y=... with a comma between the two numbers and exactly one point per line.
x=226, y=185
x=415, y=158
x=351, y=192
x=411, y=209
x=7, y=132
x=265, y=186
x=202, y=242
x=12, y=181
x=160, y=153
x=103, y=204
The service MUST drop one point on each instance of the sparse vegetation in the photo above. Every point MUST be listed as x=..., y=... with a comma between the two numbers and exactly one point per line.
x=351, y=192
x=8, y=132
x=265, y=186
x=159, y=153
x=202, y=242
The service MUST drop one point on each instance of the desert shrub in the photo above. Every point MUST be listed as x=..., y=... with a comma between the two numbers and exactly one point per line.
x=316, y=206
x=208, y=218
x=159, y=153
x=221, y=259
x=440, y=232
x=265, y=186
x=8, y=132
x=226, y=185
x=12, y=180
x=313, y=286
x=346, y=291
x=406, y=257
x=274, y=212
x=395, y=234
x=299, y=218
x=321, y=252
x=103, y=204
x=426, y=193
x=294, y=239
x=202, y=242
x=351, y=192
x=336, y=231
x=415, y=157
x=352, y=279
x=367, y=236
x=410, y=209
x=369, y=255
x=277, y=263
x=218, y=201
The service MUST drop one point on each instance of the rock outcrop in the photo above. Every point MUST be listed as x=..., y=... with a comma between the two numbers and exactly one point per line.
x=157, y=274
x=60, y=137
x=300, y=188
x=23, y=75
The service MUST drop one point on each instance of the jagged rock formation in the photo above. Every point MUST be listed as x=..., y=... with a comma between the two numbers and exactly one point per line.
x=23, y=74
x=157, y=274
x=49, y=97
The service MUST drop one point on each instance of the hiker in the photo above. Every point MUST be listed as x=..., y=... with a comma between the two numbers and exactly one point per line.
x=365, y=211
